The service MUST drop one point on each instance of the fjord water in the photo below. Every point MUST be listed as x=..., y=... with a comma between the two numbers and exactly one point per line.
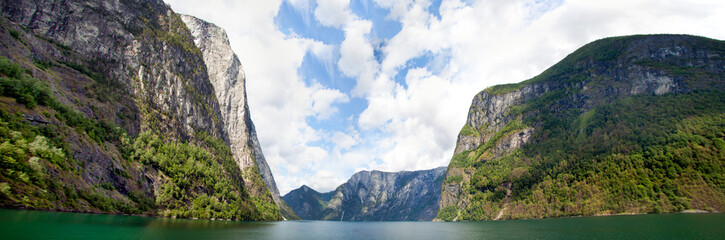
x=22, y=224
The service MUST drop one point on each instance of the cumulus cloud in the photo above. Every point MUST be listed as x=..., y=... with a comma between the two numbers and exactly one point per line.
x=333, y=13
x=357, y=58
x=325, y=179
x=412, y=124
x=322, y=100
x=416, y=119
x=344, y=141
x=280, y=100
x=487, y=43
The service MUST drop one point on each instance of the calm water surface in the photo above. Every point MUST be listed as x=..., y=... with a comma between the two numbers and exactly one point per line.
x=19, y=224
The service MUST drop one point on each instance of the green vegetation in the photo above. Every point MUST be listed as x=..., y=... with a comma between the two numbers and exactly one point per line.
x=18, y=85
x=170, y=29
x=453, y=179
x=14, y=33
x=266, y=207
x=504, y=88
x=9, y=68
x=195, y=175
x=470, y=157
x=200, y=179
x=30, y=157
x=639, y=154
x=29, y=92
x=103, y=88
x=467, y=130
x=29, y=153
x=32, y=92
x=448, y=213
x=604, y=51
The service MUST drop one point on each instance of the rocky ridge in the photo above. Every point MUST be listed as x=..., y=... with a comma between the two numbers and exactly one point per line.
x=308, y=203
x=227, y=77
x=373, y=196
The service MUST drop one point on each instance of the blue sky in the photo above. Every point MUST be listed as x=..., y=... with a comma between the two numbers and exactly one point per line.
x=339, y=86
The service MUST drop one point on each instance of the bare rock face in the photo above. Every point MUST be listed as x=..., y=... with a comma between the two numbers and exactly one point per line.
x=227, y=76
x=489, y=114
x=374, y=196
x=144, y=46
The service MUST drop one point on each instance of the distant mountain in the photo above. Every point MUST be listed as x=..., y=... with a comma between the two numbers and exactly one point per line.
x=630, y=124
x=373, y=196
x=308, y=203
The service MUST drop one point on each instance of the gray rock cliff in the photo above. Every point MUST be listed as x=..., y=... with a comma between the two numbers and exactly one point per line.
x=143, y=46
x=132, y=64
x=227, y=76
x=374, y=196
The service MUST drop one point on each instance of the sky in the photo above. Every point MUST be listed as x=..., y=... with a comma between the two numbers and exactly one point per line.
x=340, y=86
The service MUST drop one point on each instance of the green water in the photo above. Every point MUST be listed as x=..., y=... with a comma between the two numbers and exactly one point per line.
x=18, y=224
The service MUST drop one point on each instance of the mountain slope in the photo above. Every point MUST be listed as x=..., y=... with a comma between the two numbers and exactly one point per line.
x=108, y=107
x=227, y=77
x=308, y=203
x=623, y=125
x=373, y=196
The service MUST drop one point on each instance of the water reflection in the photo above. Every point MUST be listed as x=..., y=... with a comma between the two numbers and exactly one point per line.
x=167, y=228
x=170, y=223
x=17, y=224
x=25, y=224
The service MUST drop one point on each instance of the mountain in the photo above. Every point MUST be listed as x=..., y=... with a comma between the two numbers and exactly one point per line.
x=308, y=203
x=373, y=196
x=227, y=76
x=629, y=124
x=112, y=107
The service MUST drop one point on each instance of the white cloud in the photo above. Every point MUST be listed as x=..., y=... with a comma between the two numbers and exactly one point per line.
x=413, y=125
x=344, y=141
x=398, y=7
x=333, y=13
x=322, y=100
x=280, y=101
x=417, y=119
x=357, y=58
x=493, y=42
x=326, y=180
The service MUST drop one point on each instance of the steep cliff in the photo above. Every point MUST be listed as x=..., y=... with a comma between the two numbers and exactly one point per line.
x=373, y=196
x=227, y=76
x=623, y=125
x=107, y=106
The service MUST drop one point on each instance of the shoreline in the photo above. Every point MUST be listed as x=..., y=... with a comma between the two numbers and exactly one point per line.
x=688, y=211
x=124, y=214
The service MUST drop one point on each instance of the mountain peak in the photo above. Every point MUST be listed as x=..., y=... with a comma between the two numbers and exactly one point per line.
x=373, y=196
